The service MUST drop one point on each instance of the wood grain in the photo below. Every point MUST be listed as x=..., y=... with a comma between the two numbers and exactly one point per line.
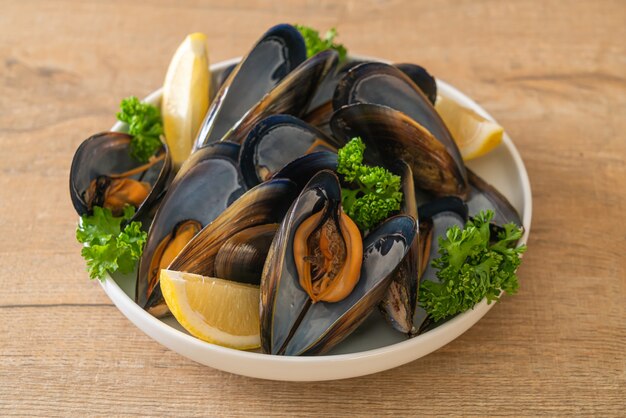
x=553, y=73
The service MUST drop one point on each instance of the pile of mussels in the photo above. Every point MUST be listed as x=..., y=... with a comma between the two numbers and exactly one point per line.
x=262, y=182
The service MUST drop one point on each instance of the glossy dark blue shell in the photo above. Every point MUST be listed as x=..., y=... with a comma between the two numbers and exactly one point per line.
x=276, y=54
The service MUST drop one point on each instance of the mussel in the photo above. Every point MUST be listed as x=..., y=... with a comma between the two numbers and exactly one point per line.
x=276, y=141
x=302, y=169
x=261, y=205
x=242, y=256
x=104, y=174
x=390, y=134
x=207, y=183
x=310, y=298
x=422, y=79
x=484, y=196
x=291, y=96
x=400, y=300
x=435, y=219
x=321, y=107
x=276, y=54
x=386, y=85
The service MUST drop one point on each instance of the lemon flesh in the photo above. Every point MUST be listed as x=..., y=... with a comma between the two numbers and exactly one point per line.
x=214, y=310
x=474, y=135
x=185, y=96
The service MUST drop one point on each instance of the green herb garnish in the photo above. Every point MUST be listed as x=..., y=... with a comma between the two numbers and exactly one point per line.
x=145, y=126
x=108, y=248
x=314, y=43
x=472, y=267
x=372, y=192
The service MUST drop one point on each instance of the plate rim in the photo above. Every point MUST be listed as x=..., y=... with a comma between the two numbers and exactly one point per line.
x=324, y=367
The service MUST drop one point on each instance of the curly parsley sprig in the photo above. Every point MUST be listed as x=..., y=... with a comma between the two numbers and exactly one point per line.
x=108, y=248
x=314, y=43
x=471, y=267
x=372, y=192
x=144, y=125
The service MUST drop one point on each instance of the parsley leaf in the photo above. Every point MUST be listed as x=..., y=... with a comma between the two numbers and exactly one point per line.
x=471, y=267
x=145, y=126
x=314, y=43
x=108, y=248
x=373, y=192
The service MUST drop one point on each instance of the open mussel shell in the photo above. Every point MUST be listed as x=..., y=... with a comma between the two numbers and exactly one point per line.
x=106, y=154
x=290, y=323
x=484, y=196
x=291, y=96
x=274, y=142
x=422, y=79
x=207, y=183
x=384, y=84
x=400, y=300
x=276, y=54
x=435, y=219
x=264, y=204
x=241, y=257
x=390, y=134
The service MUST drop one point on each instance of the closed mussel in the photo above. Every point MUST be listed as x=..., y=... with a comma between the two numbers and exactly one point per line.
x=207, y=183
x=320, y=279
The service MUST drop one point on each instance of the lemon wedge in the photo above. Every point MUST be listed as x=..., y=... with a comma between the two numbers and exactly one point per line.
x=473, y=134
x=185, y=96
x=214, y=310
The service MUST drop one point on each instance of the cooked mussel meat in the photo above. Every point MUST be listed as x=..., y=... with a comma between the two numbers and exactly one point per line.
x=104, y=174
x=295, y=319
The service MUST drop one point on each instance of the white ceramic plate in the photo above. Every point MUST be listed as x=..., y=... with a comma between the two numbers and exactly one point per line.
x=374, y=346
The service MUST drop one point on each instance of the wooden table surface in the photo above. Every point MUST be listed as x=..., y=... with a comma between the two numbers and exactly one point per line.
x=553, y=73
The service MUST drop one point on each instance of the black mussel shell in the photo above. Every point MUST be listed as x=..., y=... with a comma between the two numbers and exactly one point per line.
x=274, y=142
x=290, y=324
x=291, y=96
x=302, y=169
x=384, y=84
x=108, y=153
x=435, y=219
x=422, y=79
x=484, y=196
x=242, y=256
x=206, y=184
x=266, y=203
x=390, y=135
x=400, y=300
x=276, y=54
